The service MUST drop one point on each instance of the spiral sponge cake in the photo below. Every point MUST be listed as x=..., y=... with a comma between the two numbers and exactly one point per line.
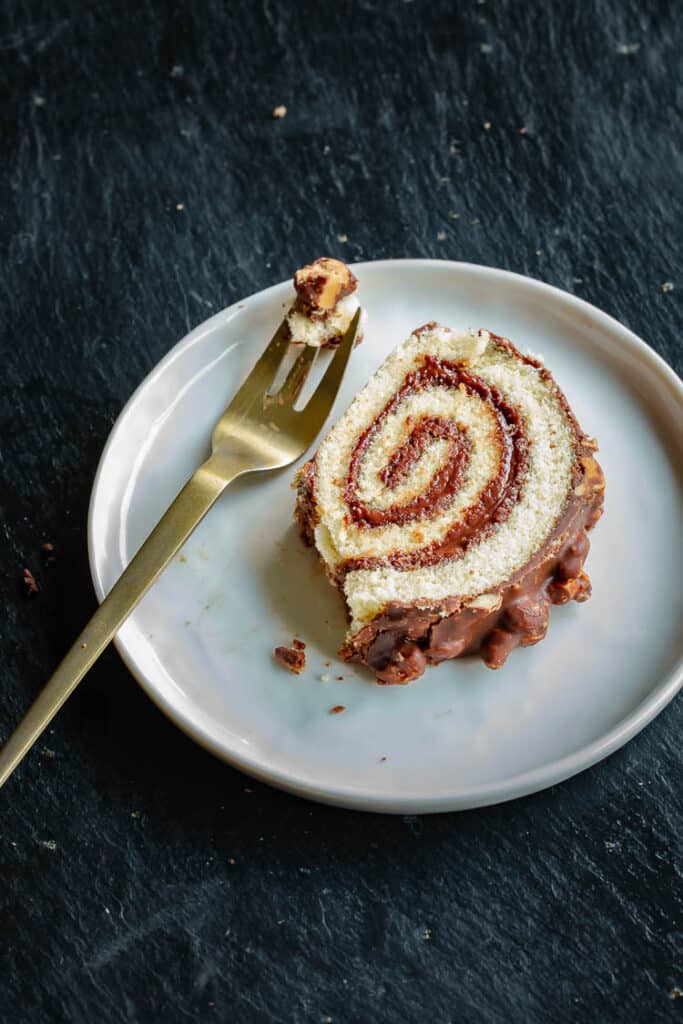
x=450, y=504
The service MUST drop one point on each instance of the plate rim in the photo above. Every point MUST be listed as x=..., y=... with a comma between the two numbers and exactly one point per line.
x=363, y=798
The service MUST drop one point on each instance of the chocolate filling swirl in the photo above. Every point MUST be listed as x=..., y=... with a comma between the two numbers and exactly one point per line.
x=493, y=504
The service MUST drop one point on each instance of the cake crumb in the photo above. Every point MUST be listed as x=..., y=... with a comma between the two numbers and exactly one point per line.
x=325, y=678
x=523, y=130
x=180, y=206
x=427, y=934
x=337, y=709
x=177, y=71
x=452, y=215
x=298, y=645
x=485, y=48
x=667, y=287
x=441, y=236
x=291, y=658
x=486, y=126
x=280, y=111
x=48, y=551
x=342, y=238
x=340, y=679
x=30, y=582
x=49, y=844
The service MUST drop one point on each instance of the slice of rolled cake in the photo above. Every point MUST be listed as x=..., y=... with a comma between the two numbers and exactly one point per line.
x=325, y=304
x=450, y=504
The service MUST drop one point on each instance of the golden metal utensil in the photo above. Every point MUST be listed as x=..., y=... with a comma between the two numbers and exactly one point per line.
x=258, y=431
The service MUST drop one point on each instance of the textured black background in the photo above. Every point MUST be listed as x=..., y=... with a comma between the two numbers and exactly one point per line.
x=143, y=880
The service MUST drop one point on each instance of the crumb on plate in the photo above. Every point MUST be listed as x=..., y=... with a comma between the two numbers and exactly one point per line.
x=291, y=658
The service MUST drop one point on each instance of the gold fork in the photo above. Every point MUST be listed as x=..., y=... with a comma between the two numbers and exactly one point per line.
x=258, y=431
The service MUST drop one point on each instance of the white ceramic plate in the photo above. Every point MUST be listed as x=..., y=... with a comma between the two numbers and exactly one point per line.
x=462, y=736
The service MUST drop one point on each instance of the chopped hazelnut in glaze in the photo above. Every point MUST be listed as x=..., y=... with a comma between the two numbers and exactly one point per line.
x=321, y=284
x=324, y=304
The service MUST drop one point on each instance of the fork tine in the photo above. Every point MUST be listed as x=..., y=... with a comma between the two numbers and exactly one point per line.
x=323, y=397
x=296, y=377
x=258, y=381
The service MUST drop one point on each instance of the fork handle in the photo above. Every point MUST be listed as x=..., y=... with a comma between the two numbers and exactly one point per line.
x=172, y=530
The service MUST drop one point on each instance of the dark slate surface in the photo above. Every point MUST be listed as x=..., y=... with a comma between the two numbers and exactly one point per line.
x=145, y=185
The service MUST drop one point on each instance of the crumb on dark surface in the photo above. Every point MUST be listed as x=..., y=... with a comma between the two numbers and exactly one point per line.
x=298, y=645
x=280, y=111
x=291, y=658
x=337, y=709
x=30, y=582
x=49, y=552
